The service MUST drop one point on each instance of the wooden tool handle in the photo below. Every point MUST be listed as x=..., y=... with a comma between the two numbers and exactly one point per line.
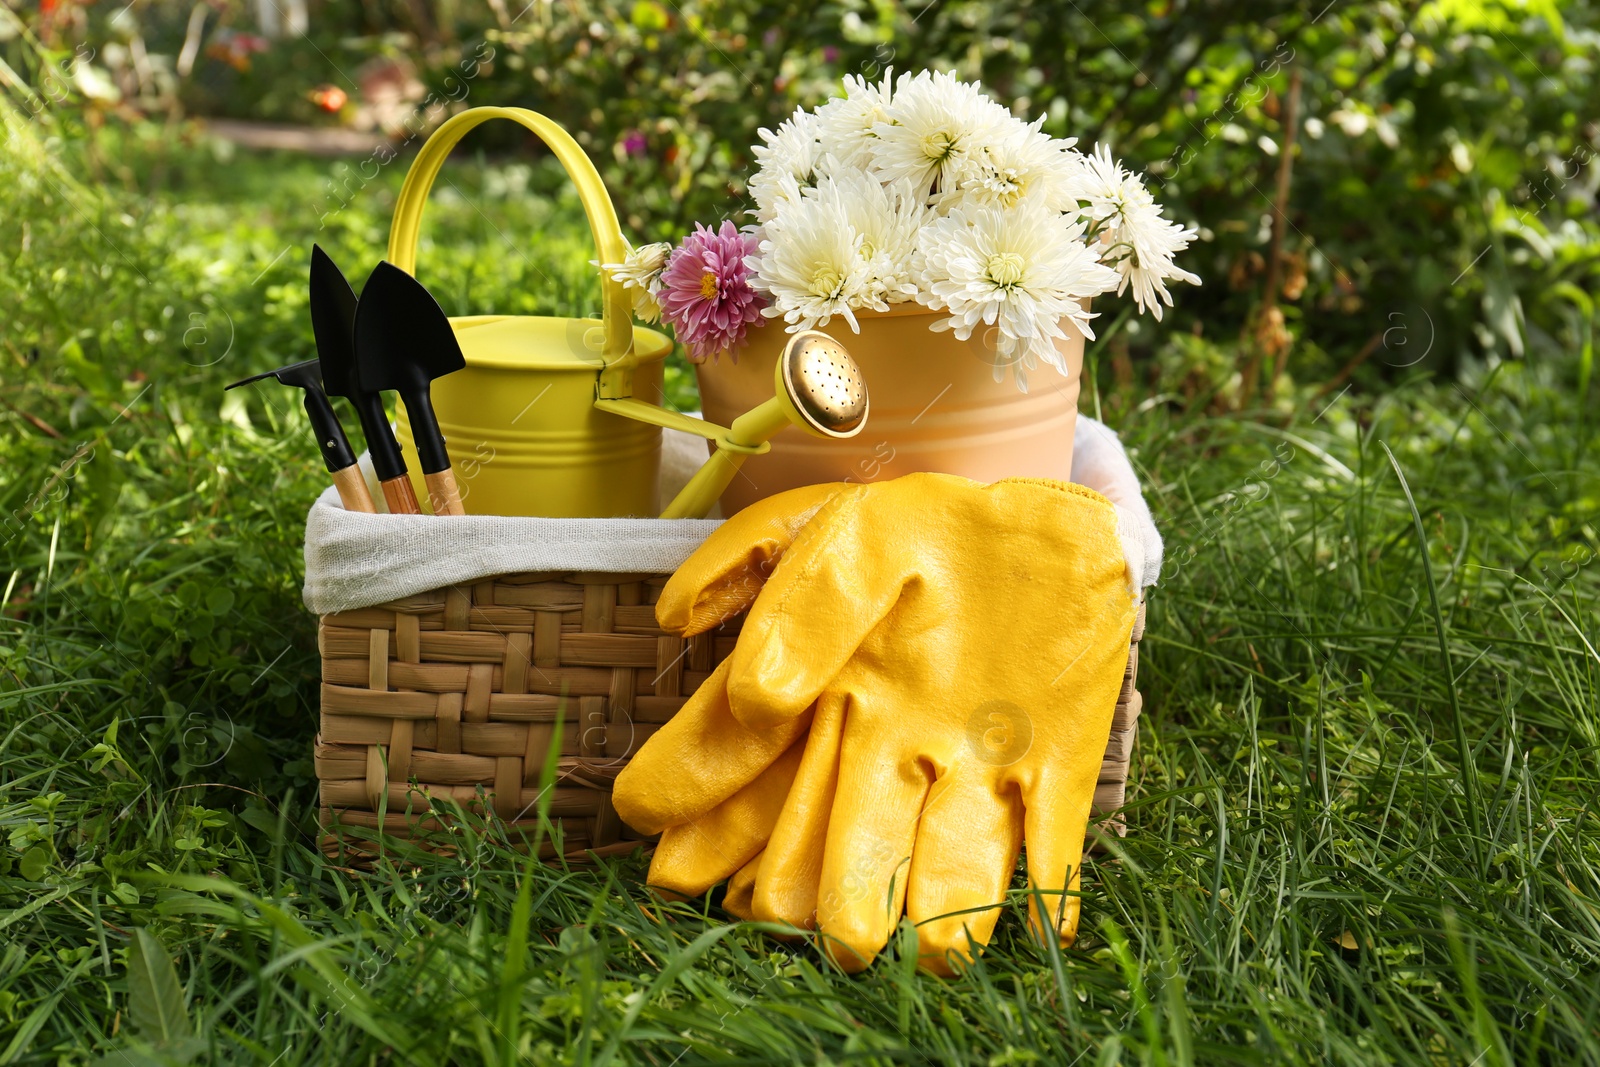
x=401, y=498
x=353, y=490
x=443, y=494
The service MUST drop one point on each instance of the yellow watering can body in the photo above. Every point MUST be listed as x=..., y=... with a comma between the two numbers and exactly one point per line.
x=523, y=433
x=520, y=421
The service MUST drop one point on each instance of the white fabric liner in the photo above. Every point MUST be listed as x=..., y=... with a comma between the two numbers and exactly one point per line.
x=355, y=560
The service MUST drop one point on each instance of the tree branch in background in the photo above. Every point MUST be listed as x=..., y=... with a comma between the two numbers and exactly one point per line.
x=191, y=40
x=1280, y=216
x=1350, y=368
x=1270, y=337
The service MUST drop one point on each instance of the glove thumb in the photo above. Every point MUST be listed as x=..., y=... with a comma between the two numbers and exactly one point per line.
x=724, y=575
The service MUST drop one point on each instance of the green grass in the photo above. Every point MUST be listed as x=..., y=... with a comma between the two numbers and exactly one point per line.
x=1317, y=872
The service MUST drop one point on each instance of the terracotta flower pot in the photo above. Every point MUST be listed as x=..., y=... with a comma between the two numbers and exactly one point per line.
x=935, y=407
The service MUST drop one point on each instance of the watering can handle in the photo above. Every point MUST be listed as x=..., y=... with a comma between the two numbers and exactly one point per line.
x=616, y=313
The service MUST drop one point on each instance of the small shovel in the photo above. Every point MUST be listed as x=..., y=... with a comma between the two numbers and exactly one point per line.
x=336, y=452
x=333, y=317
x=403, y=342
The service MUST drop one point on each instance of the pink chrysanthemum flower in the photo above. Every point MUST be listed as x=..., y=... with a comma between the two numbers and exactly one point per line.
x=705, y=290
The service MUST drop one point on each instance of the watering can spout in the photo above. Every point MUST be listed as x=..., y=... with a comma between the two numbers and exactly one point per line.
x=816, y=387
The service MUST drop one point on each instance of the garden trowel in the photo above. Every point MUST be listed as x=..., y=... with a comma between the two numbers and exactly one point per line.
x=403, y=342
x=336, y=452
x=333, y=318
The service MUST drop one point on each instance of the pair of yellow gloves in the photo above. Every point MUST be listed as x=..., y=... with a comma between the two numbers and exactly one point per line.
x=924, y=683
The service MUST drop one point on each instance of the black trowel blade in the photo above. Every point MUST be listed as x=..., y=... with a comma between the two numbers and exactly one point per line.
x=333, y=319
x=403, y=337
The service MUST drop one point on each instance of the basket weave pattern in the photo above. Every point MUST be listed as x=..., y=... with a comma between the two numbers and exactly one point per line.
x=454, y=693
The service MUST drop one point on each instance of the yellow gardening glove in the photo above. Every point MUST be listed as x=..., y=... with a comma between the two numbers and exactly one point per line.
x=963, y=646
x=710, y=785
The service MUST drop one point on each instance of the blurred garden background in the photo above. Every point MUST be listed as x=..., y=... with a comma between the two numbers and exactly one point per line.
x=1362, y=808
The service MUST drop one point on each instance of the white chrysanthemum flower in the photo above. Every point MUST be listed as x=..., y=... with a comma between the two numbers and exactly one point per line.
x=845, y=124
x=1134, y=238
x=1020, y=162
x=786, y=163
x=809, y=265
x=935, y=123
x=1021, y=272
x=640, y=275
x=884, y=220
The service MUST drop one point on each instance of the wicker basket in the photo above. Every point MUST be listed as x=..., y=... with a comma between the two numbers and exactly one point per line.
x=454, y=693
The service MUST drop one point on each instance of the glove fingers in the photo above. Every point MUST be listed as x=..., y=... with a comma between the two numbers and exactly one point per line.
x=786, y=889
x=696, y=855
x=966, y=852
x=697, y=759
x=1056, y=820
x=724, y=575
x=1058, y=794
x=837, y=583
x=741, y=888
x=871, y=829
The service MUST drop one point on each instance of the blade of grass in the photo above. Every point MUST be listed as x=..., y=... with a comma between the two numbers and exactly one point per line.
x=1469, y=780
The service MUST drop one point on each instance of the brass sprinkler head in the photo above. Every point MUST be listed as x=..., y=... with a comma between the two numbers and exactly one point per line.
x=824, y=384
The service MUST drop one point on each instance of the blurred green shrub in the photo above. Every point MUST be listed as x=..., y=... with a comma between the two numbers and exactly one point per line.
x=1443, y=187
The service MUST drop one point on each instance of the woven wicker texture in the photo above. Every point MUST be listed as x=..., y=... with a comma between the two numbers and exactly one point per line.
x=454, y=693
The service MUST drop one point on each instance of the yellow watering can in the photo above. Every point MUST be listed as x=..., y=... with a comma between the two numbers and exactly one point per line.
x=561, y=416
